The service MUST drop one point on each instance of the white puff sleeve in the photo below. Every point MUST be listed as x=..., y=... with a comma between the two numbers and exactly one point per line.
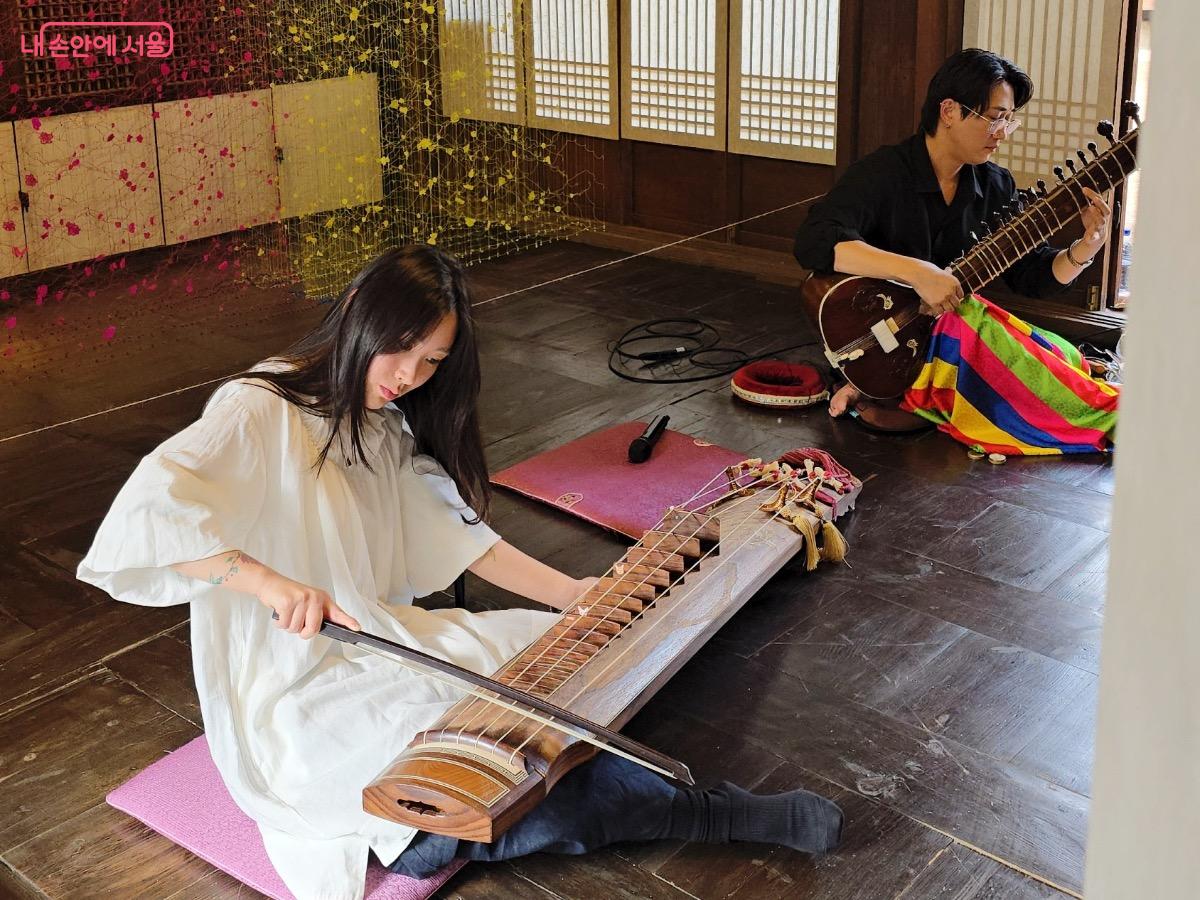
x=196, y=495
x=438, y=543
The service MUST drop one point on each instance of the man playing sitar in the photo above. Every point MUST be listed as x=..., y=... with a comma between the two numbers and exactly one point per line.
x=910, y=212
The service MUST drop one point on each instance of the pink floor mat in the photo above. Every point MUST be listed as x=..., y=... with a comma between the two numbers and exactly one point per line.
x=592, y=478
x=183, y=798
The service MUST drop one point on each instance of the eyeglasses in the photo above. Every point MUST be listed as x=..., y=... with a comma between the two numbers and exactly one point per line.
x=997, y=125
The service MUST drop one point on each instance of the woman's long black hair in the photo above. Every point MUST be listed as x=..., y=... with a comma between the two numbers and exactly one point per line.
x=392, y=303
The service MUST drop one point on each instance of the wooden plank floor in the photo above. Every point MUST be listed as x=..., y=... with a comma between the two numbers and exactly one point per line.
x=941, y=687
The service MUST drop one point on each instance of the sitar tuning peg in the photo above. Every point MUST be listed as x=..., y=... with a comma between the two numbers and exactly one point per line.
x=1105, y=129
x=1082, y=156
x=1131, y=109
x=1095, y=151
x=974, y=237
x=1041, y=187
x=1060, y=174
x=1071, y=166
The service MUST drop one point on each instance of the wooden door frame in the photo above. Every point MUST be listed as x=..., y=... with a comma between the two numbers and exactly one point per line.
x=1132, y=12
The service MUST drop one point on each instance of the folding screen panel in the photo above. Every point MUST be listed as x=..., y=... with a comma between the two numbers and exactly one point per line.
x=217, y=163
x=571, y=66
x=92, y=181
x=329, y=148
x=482, y=62
x=13, y=260
x=1070, y=48
x=673, y=72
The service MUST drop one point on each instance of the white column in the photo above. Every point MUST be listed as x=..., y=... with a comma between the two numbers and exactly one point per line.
x=1144, y=836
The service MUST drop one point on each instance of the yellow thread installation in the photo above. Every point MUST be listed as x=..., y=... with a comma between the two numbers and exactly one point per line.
x=401, y=122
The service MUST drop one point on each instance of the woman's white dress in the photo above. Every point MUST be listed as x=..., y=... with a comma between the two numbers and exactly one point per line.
x=296, y=727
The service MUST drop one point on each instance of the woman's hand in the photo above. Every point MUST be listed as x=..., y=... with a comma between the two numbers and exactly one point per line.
x=940, y=291
x=575, y=588
x=300, y=608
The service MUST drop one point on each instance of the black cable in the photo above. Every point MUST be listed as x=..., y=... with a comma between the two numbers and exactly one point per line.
x=691, y=345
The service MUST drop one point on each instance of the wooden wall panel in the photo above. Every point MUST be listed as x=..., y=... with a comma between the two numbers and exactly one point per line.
x=887, y=64
x=939, y=34
x=767, y=184
x=678, y=187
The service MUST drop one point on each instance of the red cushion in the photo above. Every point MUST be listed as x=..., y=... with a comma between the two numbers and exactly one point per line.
x=592, y=477
x=772, y=382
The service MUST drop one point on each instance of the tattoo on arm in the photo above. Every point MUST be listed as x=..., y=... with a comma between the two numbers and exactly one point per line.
x=233, y=563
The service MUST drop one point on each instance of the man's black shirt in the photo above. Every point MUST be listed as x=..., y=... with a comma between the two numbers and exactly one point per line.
x=892, y=201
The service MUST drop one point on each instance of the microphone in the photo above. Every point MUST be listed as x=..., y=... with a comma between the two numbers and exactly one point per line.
x=642, y=445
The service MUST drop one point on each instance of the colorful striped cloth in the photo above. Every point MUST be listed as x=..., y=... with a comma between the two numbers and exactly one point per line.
x=994, y=381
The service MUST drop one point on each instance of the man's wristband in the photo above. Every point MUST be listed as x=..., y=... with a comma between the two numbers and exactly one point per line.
x=1073, y=261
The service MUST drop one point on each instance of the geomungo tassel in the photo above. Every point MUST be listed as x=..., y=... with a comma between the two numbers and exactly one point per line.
x=833, y=544
x=806, y=523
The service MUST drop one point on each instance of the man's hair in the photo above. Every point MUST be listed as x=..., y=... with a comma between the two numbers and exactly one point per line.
x=968, y=77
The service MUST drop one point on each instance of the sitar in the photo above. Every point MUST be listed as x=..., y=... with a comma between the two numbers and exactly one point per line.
x=484, y=765
x=874, y=330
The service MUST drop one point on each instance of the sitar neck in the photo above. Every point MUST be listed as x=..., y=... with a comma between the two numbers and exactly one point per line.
x=1033, y=218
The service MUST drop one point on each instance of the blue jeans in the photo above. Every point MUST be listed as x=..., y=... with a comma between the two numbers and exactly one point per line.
x=603, y=801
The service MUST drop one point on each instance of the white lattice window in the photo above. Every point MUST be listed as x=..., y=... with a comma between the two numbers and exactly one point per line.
x=544, y=63
x=572, y=65
x=483, y=72
x=673, y=71
x=1070, y=48
x=751, y=76
x=783, y=78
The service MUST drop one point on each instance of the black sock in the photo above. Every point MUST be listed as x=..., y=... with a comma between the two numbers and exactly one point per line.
x=798, y=819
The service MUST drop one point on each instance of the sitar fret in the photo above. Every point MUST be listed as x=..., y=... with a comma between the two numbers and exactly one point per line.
x=1034, y=224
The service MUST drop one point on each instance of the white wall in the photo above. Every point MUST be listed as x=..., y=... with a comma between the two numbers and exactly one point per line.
x=1144, y=838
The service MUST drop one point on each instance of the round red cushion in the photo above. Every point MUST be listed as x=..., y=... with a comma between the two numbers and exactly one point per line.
x=772, y=382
